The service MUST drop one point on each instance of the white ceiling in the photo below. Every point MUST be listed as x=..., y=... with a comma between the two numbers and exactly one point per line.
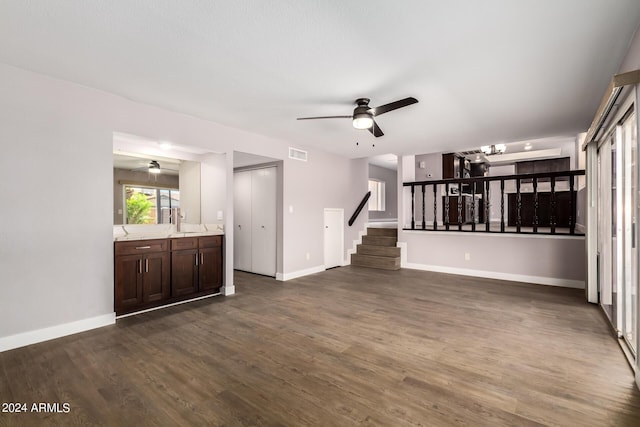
x=484, y=72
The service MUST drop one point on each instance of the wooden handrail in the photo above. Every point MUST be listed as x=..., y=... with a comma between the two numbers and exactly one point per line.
x=364, y=201
x=497, y=178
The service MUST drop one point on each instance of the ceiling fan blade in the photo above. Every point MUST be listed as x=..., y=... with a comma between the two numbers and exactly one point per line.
x=325, y=117
x=376, y=111
x=375, y=130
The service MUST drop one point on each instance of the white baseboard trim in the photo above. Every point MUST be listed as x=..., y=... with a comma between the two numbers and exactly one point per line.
x=58, y=331
x=227, y=290
x=539, y=280
x=283, y=277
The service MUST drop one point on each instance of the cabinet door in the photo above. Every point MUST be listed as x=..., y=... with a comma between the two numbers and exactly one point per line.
x=128, y=282
x=242, y=221
x=210, y=269
x=263, y=221
x=184, y=272
x=156, y=277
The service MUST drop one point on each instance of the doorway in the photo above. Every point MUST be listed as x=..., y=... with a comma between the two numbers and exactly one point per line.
x=617, y=230
x=333, y=237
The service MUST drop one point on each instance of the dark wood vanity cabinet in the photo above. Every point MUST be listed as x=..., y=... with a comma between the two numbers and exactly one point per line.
x=196, y=265
x=150, y=273
x=141, y=274
x=210, y=266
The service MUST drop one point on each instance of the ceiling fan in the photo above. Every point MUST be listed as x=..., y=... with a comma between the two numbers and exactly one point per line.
x=153, y=167
x=363, y=114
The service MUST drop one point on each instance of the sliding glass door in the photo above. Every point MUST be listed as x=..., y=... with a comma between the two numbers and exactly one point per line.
x=627, y=136
x=617, y=231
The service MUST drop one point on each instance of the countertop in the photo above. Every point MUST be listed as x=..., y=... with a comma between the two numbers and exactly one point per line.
x=166, y=236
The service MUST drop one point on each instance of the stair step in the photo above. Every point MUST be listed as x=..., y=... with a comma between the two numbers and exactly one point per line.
x=372, y=261
x=379, y=240
x=388, y=251
x=381, y=231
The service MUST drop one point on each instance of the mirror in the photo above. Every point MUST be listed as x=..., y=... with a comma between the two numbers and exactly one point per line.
x=144, y=195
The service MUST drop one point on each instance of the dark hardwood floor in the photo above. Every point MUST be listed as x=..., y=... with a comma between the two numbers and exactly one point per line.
x=350, y=346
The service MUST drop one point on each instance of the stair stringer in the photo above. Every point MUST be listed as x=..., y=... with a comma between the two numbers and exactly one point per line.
x=354, y=247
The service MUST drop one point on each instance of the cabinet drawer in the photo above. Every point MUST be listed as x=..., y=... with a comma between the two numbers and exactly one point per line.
x=141, y=247
x=184, y=243
x=210, y=241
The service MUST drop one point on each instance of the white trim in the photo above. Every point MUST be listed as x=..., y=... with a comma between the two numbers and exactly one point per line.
x=227, y=290
x=354, y=247
x=283, y=277
x=45, y=334
x=167, y=305
x=539, y=280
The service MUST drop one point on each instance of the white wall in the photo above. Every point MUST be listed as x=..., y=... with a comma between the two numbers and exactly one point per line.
x=190, y=192
x=56, y=249
x=535, y=259
x=213, y=169
x=309, y=188
x=432, y=167
x=390, y=178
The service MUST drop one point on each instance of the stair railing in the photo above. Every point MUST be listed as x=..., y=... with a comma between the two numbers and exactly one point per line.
x=364, y=201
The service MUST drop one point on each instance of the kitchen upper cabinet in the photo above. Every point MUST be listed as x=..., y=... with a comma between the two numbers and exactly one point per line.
x=255, y=221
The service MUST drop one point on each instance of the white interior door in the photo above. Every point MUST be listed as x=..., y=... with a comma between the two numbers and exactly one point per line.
x=242, y=221
x=333, y=237
x=263, y=219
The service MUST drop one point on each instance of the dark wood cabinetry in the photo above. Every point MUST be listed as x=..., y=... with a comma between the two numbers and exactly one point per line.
x=141, y=274
x=210, y=266
x=455, y=166
x=562, y=214
x=467, y=212
x=196, y=265
x=149, y=273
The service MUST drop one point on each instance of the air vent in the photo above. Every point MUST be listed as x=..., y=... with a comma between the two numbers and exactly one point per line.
x=296, y=154
x=469, y=153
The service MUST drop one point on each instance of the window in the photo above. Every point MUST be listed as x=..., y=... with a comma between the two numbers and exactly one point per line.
x=148, y=205
x=376, y=201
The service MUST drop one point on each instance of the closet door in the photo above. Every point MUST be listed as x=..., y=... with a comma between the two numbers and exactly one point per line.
x=263, y=220
x=242, y=220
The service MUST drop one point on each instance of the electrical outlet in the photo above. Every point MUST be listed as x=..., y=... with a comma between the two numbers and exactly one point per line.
x=467, y=256
x=308, y=256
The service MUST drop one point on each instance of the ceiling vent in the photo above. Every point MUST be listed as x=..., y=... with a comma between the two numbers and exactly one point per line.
x=296, y=154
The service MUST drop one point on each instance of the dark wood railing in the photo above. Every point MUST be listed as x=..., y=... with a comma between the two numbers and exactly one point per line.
x=539, y=203
x=364, y=201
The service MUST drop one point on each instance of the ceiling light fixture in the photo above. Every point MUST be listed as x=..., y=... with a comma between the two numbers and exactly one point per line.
x=489, y=150
x=165, y=145
x=528, y=146
x=154, y=167
x=362, y=121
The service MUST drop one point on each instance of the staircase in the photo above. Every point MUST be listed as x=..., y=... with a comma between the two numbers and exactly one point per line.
x=378, y=249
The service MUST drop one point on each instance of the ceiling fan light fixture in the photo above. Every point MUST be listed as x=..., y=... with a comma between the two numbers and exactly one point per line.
x=154, y=167
x=362, y=121
x=489, y=150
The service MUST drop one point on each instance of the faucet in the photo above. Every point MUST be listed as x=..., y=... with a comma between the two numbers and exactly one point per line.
x=175, y=218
